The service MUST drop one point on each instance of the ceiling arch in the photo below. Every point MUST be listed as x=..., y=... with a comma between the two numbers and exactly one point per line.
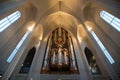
x=59, y=19
x=48, y=7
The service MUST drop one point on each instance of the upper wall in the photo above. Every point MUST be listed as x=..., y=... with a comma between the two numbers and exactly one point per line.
x=11, y=36
x=92, y=13
x=25, y=10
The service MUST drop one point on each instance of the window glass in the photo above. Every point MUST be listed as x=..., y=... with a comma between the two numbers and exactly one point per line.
x=7, y=21
x=108, y=56
x=17, y=47
x=112, y=20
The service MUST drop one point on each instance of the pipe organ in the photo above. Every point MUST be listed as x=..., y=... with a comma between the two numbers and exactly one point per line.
x=59, y=54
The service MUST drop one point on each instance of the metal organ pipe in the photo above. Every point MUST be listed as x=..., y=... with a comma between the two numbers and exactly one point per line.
x=73, y=62
x=66, y=61
x=55, y=36
x=53, y=61
x=60, y=54
x=66, y=58
x=48, y=47
x=60, y=58
x=64, y=36
x=46, y=64
x=53, y=57
x=71, y=49
x=59, y=32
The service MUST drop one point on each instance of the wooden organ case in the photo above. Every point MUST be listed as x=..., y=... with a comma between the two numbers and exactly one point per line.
x=59, y=55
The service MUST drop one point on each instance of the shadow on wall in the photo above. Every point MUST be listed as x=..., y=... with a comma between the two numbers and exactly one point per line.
x=28, y=61
x=92, y=62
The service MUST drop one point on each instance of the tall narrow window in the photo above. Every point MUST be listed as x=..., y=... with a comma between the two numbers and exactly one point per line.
x=112, y=20
x=108, y=56
x=7, y=21
x=17, y=47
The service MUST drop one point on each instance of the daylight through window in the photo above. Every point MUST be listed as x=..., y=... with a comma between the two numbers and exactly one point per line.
x=112, y=20
x=108, y=56
x=17, y=47
x=7, y=21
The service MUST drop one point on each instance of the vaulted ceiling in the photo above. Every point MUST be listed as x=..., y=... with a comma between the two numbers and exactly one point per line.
x=54, y=13
x=51, y=13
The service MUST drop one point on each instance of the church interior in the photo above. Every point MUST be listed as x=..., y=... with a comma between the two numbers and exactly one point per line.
x=59, y=40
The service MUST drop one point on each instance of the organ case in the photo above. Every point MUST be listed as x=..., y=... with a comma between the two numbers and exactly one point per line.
x=59, y=55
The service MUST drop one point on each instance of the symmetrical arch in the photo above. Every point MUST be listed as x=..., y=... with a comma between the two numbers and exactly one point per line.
x=57, y=19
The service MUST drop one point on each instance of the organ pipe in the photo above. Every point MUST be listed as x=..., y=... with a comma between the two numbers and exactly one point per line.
x=64, y=36
x=59, y=53
x=45, y=66
x=66, y=64
x=73, y=65
x=73, y=62
x=48, y=47
x=60, y=58
x=66, y=59
x=71, y=49
x=55, y=36
x=53, y=57
x=53, y=61
x=59, y=32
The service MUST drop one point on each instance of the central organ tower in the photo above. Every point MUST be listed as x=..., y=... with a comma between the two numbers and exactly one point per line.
x=59, y=54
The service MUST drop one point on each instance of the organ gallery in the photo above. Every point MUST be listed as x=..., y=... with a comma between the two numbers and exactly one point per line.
x=59, y=55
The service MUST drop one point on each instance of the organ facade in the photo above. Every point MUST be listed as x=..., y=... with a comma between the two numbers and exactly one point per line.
x=59, y=55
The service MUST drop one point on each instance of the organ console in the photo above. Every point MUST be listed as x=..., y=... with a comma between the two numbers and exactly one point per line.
x=59, y=54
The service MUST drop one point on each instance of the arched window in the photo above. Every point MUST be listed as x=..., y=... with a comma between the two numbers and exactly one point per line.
x=92, y=62
x=7, y=21
x=112, y=20
x=10, y=58
x=28, y=61
x=106, y=53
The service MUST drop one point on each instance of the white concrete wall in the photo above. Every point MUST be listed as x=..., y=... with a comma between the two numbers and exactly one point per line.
x=78, y=12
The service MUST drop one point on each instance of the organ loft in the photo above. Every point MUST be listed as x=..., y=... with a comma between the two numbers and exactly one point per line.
x=59, y=39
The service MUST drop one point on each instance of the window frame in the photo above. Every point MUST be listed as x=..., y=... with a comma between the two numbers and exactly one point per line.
x=9, y=20
x=110, y=19
x=102, y=47
x=15, y=51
